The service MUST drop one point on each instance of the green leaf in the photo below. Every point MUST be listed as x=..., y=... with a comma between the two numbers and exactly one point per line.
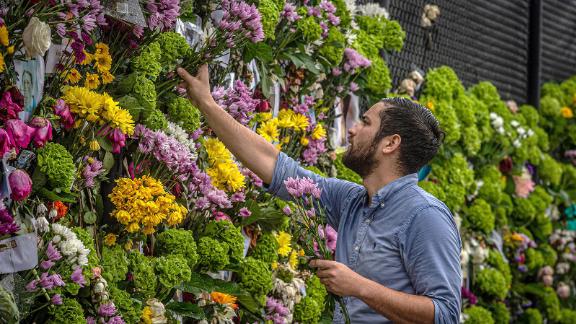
x=265, y=81
x=202, y=282
x=62, y=196
x=187, y=309
x=260, y=51
x=105, y=144
x=90, y=217
x=268, y=218
x=108, y=161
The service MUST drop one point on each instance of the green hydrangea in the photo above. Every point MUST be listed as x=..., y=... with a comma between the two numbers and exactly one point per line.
x=173, y=46
x=500, y=313
x=568, y=177
x=180, y=242
x=156, y=120
x=454, y=171
x=343, y=12
x=532, y=316
x=181, y=111
x=524, y=212
x=503, y=210
x=266, y=248
x=147, y=63
x=255, y=277
x=568, y=316
x=378, y=80
x=470, y=140
x=534, y=259
x=548, y=254
x=143, y=275
x=550, y=107
x=448, y=120
x=57, y=165
x=486, y=92
x=212, y=254
x=482, y=114
x=455, y=196
x=479, y=217
x=491, y=283
x=172, y=270
x=128, y=308
x=492, y=186
x=307, y=311
x=316, y=290
x=310, y=29
x=270, y=13
x=285, y=274
x=114, y=264
x=386, y=34
x=225, y=231
x=342, y=172
x=394, y=36
x=69, y=312
x=530, y=114
x=478, y=315
x=142, y=89
x=131, y=104
x=554, y=90
x=496, y=260
x=543, y=140
x=550, y=170
x=433, y=189
x=442, y=84
x=366, y=44
x=333, y=47
x=550, y=304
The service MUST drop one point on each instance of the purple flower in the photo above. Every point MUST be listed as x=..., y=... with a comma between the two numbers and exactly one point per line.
x=116, y=320
x=354, y=60
x=57, y=280
x=43, y=131
x=299, y=187
x=327, y=6
x=313, y=150
x=331, y=238
x=92, y=169
x=286, y=210
x=78, y=49
x=52, y=252
x=237, y=101
x=32, y=285
x=90, y=320
x=7, y=223
x=354, y=87
x=238, y=197
x=107, y=310
x=467, y=294
x=77, y=277
x=238, y=11
x=62, y=110
x=46, y=264
x=290, y=13
x=46, y=281
x=162, y=14
x=56, y=299
x=244, y=212
x=336, y=71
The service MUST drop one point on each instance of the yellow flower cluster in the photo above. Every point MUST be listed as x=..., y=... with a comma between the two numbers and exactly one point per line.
x=284, y=240
x=281, y=129
x=98, y=108
x=5, y=41
x=97, y=66
x=142, y=204
x=223, y=171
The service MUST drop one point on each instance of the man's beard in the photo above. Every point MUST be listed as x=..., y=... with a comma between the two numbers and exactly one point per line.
x=361, y=161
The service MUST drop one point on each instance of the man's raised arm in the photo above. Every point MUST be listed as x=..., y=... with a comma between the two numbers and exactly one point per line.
x=251, y=149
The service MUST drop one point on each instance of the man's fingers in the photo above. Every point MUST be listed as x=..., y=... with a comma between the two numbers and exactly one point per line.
x=320, y=264
x=203, y=73
x=185, y=75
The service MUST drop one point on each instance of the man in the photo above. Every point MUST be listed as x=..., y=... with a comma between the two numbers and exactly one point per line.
x=398, y=250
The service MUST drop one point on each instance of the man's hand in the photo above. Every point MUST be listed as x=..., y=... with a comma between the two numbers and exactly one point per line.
x=338, y=278
x=198, y=87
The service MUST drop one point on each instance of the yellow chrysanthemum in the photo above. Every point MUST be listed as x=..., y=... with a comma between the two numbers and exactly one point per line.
x=2, y=64
x=285, y=118
x=269, y=130
x=217, y=152
x=304, y=141
x=4, y=36
x=117, y=117
x=10, y=50
x=102, y=48
x=92, y=81
x=566, y=112
x=222, y=299
x=318, y=132
x=226, y=176
x=293, y=260
x=110, y=239
x=133, y=228
x=274, y=265
x=147, y=315
x=103, y=62
x=301, y=122
x=286, y=140
x=107, y=77
x=284, y=240
x=263, y=116
x=128, y=245
x=73, y=76
x=87, y=58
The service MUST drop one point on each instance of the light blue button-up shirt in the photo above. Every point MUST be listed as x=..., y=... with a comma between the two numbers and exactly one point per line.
x=406, y=239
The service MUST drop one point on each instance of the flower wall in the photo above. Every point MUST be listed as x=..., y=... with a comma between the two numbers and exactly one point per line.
x=119, y=205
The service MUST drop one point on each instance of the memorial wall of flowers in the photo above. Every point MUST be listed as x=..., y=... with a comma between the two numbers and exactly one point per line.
x=119, y=205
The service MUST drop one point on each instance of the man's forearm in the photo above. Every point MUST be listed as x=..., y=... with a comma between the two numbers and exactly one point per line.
x=397, y=306
x=251, y=149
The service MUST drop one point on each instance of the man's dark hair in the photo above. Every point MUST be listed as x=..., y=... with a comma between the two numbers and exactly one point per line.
x=419, y=129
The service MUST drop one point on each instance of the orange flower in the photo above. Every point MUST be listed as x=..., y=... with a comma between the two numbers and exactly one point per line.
x=61, y=209
x=222, y=299
x=566, y=112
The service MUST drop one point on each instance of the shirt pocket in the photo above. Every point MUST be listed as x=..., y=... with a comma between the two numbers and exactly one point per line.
x=380, y=261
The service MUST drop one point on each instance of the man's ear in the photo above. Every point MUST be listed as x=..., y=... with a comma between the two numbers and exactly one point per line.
x=391, y=143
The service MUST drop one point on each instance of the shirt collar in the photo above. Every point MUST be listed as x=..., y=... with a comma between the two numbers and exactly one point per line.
x=384, y=193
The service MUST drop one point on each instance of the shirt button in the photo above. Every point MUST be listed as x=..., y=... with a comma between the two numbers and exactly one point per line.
x=367, y=221
x=356, y=248
x=382, y=204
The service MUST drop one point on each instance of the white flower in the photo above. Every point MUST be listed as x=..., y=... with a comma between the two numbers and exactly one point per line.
x=514, y=123
x=42, y=224
x=521, y=131
x=351, y=6
x=53, y=214
x=56, y=239
x=493, y=115
x=516, y=144
x=530, y=132
x=500, y=130
x=373, y=10
x=36, y=37
x=41, y=209
x=498, y=122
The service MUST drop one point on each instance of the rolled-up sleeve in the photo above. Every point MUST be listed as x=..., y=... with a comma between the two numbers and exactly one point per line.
x=430, y=246
x=334, y=191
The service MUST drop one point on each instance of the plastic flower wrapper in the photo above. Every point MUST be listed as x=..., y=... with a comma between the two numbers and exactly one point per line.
x=309, y=225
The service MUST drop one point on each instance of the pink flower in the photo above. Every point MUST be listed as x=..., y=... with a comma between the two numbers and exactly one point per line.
x=523, y=184
x=244, y=212
x=238, y=197
x=32, y=285
x=9, y=108
x=56, y=299
x=20, y=133
x=107, y=310
x=77, y=277
x=118, y=140
x=43, y=132
x=62, y=110
x=6, y=143
x=20, y=184
x=220, y=216
x=47, y=264
x=286, y=210
x=354, y=87
x=52, y=253
x=7, y=223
